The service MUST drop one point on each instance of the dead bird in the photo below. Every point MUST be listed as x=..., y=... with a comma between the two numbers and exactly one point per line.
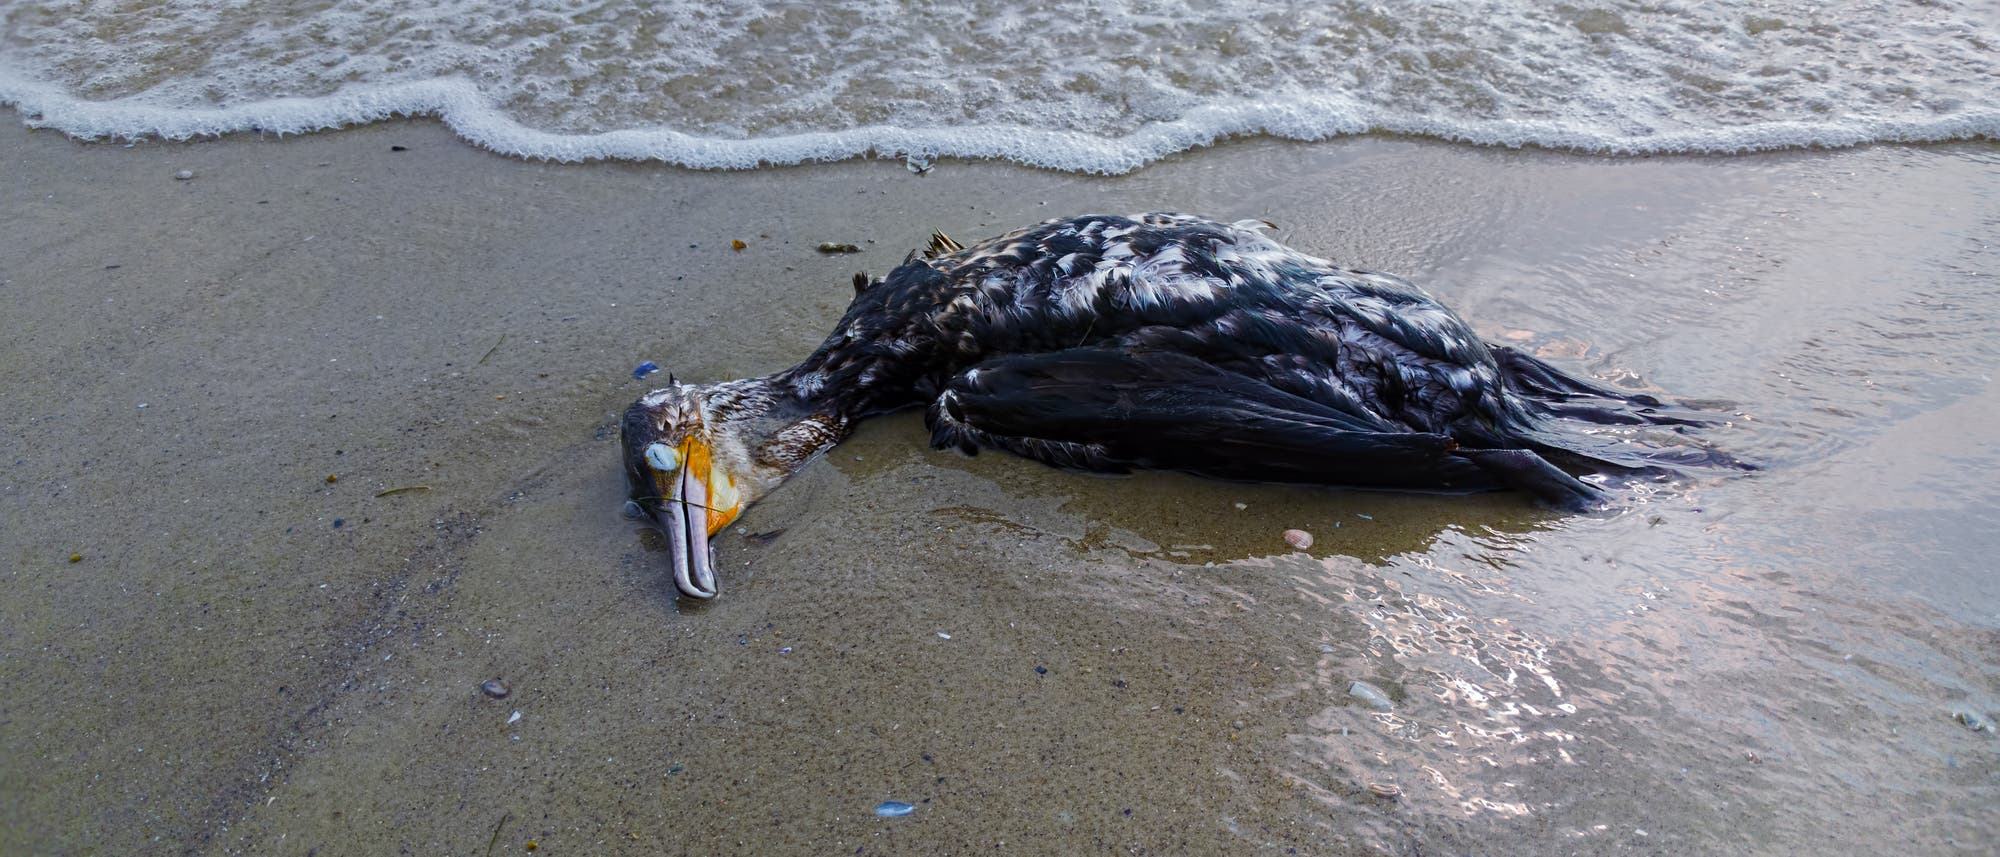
x=1161, y=341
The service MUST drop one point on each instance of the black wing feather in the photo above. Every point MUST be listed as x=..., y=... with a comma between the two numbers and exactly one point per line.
x=1113, y=410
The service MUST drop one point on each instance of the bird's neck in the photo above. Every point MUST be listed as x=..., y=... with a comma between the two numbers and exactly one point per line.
x=765, y=430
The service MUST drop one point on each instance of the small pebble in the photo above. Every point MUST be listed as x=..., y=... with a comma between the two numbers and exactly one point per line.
x=1382, y=790
x=785, y=651
x=184, y=175
x=1373, y=696
x=647, y=368
x=1299, y=539
x=893, y=809
x=1241, y=506
x=331, y=478
x=515, y=718
x=76, y=558
x=399, y=148
x=943, y=636
x=1041, y=670
x=737, y=244
x=494, y=688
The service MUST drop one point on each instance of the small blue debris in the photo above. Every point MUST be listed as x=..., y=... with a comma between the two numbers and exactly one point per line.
x=644, y=369
x=339, y=522
x=1040, y=670
x=893, y=809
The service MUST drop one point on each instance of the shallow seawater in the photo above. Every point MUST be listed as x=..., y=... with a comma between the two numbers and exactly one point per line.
x=1033, y=660
x=1102, y=86
x=1749, y=665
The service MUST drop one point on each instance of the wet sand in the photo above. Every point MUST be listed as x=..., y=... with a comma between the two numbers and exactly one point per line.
x=207, y=385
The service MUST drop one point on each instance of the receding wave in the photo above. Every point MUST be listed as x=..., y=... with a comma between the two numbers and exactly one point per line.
x=1093, y=87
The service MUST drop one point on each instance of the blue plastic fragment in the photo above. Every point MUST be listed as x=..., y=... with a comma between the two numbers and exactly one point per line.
x=893, y=809
x=644, y=369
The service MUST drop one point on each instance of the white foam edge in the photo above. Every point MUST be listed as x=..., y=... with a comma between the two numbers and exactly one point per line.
x=461, y=107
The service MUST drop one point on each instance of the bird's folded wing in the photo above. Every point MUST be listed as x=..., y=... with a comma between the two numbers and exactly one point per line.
x=1114, y=410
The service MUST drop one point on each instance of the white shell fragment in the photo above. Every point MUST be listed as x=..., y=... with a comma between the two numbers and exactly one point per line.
x=1299, y=539
x=1370, y=695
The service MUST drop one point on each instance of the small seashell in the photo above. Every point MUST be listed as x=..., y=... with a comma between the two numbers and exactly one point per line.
x=893, y=809
x=184, y=175
x=1299, y=539
x=514, y=718
x=1383, y=790
x=1972, y=720
x=494, y=688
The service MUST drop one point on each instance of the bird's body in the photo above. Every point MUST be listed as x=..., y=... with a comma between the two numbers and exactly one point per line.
x=1162, y=341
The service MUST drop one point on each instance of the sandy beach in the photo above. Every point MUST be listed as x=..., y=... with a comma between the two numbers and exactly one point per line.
x=300, y=450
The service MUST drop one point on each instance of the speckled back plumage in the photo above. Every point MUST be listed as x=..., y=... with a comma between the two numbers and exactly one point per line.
x=1364, y=343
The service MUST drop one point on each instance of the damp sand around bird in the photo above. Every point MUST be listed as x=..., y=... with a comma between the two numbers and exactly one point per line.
x=1024, y=657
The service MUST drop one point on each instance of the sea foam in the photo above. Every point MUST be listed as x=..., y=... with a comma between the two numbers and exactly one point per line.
x=1100, y=87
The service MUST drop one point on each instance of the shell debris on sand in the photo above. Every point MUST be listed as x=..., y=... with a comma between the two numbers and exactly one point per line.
x=1299, y=539
x=495, y=688
x=1972, y=720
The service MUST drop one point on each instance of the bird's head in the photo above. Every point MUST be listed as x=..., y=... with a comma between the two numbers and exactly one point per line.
x=689, y=471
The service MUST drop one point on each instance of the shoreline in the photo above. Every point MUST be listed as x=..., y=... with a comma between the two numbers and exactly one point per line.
x=252, y=658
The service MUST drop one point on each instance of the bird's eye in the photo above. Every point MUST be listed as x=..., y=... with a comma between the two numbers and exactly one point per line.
x=663, y=458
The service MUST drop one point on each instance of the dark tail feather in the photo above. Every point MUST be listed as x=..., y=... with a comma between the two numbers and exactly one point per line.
x=1553, y=402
